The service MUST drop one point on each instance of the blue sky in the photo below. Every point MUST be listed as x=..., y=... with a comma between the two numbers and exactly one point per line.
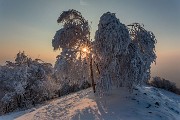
x=30, y=25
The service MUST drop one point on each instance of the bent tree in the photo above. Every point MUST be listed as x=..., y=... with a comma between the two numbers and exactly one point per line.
x=124, y=55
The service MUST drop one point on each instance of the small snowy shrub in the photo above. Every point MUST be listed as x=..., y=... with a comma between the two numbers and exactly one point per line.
x=164, y=84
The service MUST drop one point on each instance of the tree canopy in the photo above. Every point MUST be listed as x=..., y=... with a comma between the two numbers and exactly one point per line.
x=72, y=39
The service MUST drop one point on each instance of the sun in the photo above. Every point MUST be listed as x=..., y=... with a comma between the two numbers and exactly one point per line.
x=84, y=49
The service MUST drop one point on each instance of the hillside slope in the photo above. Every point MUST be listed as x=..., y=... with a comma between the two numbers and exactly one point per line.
x=145, y=103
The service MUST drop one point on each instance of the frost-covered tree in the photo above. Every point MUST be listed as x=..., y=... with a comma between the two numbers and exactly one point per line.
x=143, y=42
x=25, y=82
x=71, y=39
x=123, y=55
x=75, y=31
x=111, y=45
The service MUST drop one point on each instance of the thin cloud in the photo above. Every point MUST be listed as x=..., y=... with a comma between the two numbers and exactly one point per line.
x=83, y=2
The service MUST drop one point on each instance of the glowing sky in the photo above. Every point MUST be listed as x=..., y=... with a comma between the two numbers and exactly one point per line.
x=30, y=25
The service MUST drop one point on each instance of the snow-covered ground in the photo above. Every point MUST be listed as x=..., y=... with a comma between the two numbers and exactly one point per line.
x=145, y=103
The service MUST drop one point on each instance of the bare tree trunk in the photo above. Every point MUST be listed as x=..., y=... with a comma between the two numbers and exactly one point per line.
x=92, y=76
x=97, y=67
